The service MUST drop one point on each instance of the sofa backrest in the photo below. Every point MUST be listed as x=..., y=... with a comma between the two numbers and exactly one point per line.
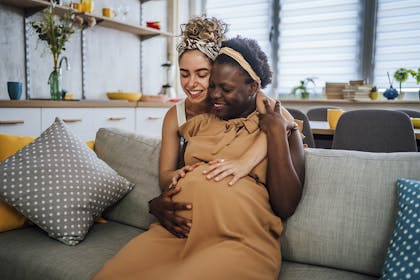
x=346, y=216
x=136, y=158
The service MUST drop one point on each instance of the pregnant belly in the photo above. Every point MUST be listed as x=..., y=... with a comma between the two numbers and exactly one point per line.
x=220, y=208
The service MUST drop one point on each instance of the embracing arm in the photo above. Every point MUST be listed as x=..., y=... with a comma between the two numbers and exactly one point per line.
x=162, y=206
x=285, y=172
x=169, y=150
x=240, y=167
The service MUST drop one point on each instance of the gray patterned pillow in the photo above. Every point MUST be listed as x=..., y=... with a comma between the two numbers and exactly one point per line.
x=60, y=184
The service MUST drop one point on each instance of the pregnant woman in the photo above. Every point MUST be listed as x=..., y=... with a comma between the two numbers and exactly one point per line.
x=236, y=229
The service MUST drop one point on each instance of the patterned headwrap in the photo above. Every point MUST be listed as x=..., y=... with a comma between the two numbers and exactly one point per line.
x=210, y=49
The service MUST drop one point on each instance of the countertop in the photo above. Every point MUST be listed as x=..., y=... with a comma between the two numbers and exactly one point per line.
x=80, y=104
x=158, y=104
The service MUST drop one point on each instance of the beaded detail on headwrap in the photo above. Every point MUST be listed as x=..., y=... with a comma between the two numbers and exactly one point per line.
x=237, y=56
x=210, y=49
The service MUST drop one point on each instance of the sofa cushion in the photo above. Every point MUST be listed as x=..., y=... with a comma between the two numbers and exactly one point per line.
x=60, y=184
x=29, y=254
x=403, y=257
x=10, y=218
x=346, y=216
x=136, y=158
x=294, y=271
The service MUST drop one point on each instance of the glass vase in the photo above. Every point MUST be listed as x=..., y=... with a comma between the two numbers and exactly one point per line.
x=55, y=85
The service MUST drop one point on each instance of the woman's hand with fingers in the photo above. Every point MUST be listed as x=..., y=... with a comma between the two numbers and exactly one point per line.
x=221, y=168
x=180, y=173
x=274, y=119
x=164, y=209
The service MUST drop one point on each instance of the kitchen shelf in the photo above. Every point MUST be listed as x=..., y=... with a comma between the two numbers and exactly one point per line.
x=25, y=4
x=35, y=5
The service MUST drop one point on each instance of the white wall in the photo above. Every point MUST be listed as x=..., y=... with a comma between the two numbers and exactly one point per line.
x=113, y=57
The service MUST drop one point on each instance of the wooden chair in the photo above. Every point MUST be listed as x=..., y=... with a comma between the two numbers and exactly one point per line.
x=299, y=115
x=375, y=131
x=319, y=113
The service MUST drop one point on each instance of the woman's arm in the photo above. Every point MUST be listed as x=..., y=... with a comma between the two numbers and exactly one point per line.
x=162, y=207
x=285, y=158
x=260, y=102
x=169, y=149
x=238, y=168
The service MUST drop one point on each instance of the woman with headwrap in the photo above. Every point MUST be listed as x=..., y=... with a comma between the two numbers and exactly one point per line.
x=236, y=229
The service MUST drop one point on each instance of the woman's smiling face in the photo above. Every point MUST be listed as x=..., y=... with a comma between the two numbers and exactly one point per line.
x=230, y=95
x=195, y=68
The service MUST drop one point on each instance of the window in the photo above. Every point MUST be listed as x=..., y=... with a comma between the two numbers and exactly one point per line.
x=249, y=19
x=318, y=39
x=397, y=40
x=335, y=41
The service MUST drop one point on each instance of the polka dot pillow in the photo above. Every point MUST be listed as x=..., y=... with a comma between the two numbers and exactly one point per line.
x=403, y=256
x=60, y=184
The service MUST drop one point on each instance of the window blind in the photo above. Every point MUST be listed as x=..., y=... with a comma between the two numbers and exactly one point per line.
x=318, y=38
x=397, y=40
x=248, y=18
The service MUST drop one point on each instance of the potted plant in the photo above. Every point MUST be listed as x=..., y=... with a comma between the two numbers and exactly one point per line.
x=302, y=88
x=374, y=94
x=401, y=75
x=415, y=75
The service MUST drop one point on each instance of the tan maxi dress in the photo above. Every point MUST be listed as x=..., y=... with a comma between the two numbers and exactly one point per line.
x=234, y=233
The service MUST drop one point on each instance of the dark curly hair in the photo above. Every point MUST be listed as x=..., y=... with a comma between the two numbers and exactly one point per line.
x=253, y=54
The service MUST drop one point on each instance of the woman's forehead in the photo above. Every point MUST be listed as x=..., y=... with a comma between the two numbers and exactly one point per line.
x=226, y=70
x=193, y=60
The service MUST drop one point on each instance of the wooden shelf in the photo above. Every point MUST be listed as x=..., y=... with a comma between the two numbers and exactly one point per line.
x=126, y=27
x=26, y=4
x=101, y=21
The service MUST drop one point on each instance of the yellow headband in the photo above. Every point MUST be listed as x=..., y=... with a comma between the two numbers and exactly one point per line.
x=241, y=60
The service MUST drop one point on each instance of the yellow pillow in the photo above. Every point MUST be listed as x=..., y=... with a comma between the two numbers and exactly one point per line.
x=91, y=145
x=10, y=218
x=10, y=144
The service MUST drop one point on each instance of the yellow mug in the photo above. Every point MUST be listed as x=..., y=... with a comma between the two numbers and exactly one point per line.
x=108, y=12
x=333, y=115
x=87, y=6
x=77, y=7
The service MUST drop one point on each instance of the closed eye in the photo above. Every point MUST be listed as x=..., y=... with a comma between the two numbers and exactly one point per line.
x=203, y=73
x=227, y=90
x=184, y=74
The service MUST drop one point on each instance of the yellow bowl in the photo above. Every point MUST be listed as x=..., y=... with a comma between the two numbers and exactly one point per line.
x=130, y=96
x=416, y=122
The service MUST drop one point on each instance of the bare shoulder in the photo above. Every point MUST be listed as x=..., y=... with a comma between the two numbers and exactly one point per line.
x=170, y=122
x=171, y=116
x=260, y=105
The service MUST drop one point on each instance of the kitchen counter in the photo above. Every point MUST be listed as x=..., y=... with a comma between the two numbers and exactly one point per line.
x=80, y=104
x=301, y=104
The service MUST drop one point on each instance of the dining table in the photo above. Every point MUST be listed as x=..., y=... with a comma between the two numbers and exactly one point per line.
x=323, y=128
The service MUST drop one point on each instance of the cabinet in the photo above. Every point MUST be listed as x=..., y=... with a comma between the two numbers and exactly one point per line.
x=149, y=121
x=30, y=118
x=85, y=122
x=20, y=121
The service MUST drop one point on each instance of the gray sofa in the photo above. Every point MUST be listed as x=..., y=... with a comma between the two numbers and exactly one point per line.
x=340, y=230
